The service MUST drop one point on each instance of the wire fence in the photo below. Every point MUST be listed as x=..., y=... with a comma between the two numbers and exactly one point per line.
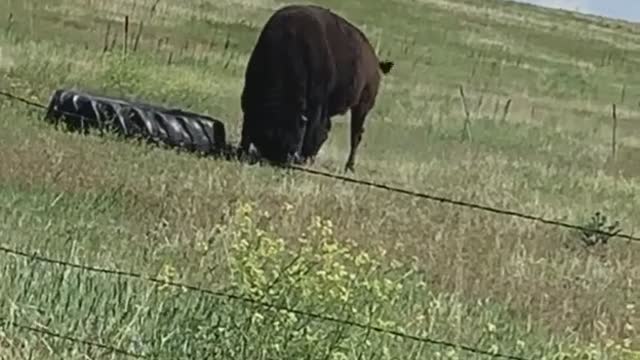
x=263, y=304
x=92, y=344
x=412, y=193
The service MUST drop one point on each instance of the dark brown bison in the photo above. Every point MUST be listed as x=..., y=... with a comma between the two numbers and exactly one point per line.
x=308, y=65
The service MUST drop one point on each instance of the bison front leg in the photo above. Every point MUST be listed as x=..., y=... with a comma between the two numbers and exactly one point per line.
x=358, y=115
x=304, y=128
x=316, y=134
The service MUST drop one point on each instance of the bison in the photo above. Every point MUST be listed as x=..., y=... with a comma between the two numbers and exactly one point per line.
x=308, y=65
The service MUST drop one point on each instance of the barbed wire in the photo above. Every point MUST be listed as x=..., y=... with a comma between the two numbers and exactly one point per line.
x=465, y=204
x=412, y=193
x=112, y=349
x=263, y=304
x=22, y=100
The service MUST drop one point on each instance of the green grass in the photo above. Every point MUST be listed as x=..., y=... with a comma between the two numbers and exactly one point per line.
x=432, y=269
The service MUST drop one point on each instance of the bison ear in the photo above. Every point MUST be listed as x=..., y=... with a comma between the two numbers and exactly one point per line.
x=386, y=66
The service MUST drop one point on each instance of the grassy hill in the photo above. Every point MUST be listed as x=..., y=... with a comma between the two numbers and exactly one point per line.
x=425, y=268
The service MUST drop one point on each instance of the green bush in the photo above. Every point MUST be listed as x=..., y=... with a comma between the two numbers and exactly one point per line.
x=315, y=273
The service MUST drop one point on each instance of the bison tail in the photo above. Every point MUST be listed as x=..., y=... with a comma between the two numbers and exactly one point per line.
x=386, y=66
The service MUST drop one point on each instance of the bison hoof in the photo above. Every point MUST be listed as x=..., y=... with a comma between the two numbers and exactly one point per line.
x=299, y=160
x=349, y=168
x=295, y=159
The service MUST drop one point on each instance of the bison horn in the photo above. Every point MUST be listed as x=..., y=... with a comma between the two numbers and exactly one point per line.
x=386, y=66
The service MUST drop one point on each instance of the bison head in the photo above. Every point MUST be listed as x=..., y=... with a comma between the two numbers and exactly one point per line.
x=279, y=138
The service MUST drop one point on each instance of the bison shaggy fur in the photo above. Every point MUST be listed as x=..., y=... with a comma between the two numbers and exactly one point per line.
x=308, y=65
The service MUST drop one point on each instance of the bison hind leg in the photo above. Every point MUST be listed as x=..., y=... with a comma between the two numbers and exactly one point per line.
x=358, y=115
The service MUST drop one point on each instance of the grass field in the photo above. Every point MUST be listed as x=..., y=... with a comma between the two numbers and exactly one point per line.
x=430, y=269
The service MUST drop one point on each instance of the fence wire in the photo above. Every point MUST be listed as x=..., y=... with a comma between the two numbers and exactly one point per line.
x=4, y=322
x=412, y=193
x=260, y=303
